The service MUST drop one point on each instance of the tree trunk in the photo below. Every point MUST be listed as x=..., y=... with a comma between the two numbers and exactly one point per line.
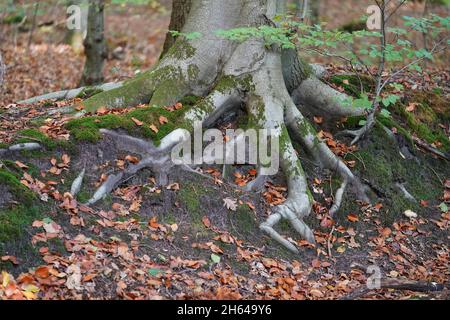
x=180, y=12
x=315, y=11
x=94, y=44
x=276, y=87
x=75, y=36
x=2, y=71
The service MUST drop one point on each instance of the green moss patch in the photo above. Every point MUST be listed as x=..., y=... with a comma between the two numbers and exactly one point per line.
x=87, y=129
x=34, y=135
x=380, y=163
x=22, y=211
x=353, y=84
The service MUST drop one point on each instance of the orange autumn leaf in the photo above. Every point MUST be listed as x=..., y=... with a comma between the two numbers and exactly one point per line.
x=137, y=122
x=154, y=128
x=102, y=110
x=42, y=272
x=153, y=223
x=163, y=120
x=21, y=165
x=206, y=221
x=352, y=217
x=318, y=120
x=133, y=160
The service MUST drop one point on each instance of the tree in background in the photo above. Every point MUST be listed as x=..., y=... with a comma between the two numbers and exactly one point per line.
x=75, y=36
x=180, y=11
x=94, y=44
x=2, y=70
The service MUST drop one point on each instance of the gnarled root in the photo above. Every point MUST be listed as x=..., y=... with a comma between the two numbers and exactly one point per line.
x=361, y=133
x=305, y=134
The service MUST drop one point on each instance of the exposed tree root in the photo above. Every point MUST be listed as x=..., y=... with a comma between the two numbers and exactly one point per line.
x=76, y=184
x=361, y=133
x=400, y=284
x=70, y=94
x=28, y=146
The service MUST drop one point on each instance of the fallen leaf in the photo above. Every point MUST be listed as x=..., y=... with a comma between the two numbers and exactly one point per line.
x=163, y=120
x=352, y=217
x=206, y=222
x=230, y=204
x=410, y=214
x=137, y=122
x=21, y=165
x=154, y=128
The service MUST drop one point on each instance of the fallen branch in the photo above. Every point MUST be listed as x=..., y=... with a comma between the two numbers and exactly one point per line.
x=429, y=148
x=400, y=284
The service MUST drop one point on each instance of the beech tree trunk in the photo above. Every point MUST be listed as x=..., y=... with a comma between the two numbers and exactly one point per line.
x=94, y=45
x=276, y=86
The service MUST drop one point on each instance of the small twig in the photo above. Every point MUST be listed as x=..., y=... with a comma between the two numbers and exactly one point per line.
x=429, y=148
x=329, y=244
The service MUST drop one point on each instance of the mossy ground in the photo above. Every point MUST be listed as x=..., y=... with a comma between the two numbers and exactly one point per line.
x=17, y=215
x=353, y=85
x=87, y=128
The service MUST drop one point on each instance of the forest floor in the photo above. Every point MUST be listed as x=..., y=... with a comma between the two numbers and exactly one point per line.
x=198, y=238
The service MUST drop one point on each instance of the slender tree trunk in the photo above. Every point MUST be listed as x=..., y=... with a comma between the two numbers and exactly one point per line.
x=75, y=36
x=2, y=71
x=94, y=45
x=314, y=11
x=180, y=12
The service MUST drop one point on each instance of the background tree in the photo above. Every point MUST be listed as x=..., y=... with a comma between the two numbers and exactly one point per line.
x=75, y=37
x=94, y=44
x=2, y=70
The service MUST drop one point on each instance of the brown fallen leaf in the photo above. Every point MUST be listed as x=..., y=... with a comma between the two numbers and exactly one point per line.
x=206, y=221
x=137, y=122
x=352, y=217
x=12, y=259
x=154, y=128
x=21, y=165
x=163, y=120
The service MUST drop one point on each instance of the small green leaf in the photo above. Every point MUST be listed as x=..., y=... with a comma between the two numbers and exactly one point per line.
x=154, y=272
x=47, y=220
x=443, y=206
x=385, y=113
x=215, y=258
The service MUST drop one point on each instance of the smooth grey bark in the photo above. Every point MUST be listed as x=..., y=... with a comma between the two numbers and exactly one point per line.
x=94, y=45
